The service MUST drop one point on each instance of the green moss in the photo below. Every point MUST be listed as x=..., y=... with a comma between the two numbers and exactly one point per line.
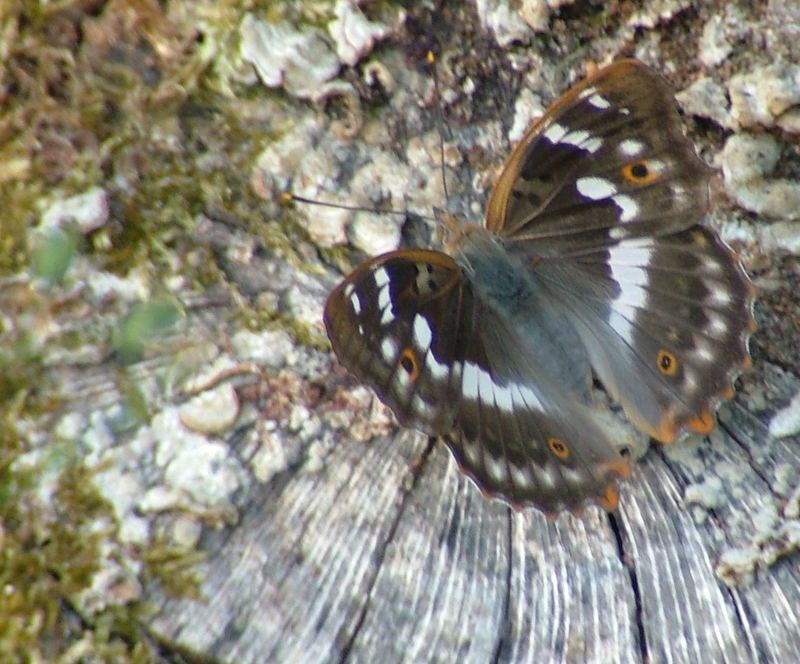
x=135, y=109
x=175, y=571
x=50, y=551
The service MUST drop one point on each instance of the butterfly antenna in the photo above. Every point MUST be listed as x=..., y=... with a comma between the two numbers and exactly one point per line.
x=287, y=198
x=431, y=59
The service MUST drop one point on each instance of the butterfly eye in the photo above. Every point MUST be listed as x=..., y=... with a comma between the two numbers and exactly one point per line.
x=558, y=447
x=639, y=172
x=408, y=361
x=667, y=364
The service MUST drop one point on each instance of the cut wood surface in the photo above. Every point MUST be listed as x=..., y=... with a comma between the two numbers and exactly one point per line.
x=368, y=561
x=214, y=486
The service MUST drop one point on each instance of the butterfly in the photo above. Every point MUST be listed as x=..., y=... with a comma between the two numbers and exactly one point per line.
x=591, y=263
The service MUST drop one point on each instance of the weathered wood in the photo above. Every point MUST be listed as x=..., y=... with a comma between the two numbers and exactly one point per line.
x=348, y=565
x=328, y=534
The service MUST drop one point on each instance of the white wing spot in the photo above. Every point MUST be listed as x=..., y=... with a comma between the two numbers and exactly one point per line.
x=630, y=147
x=636, y=252
x=593, y=144
x=703, y=353
x=384, y=297
x=554, y=133
x=469, y=381
x=628, y=207
x=595, y=188
x=388, y=350
x=387, y=316
x=421, y=407
x=572, y=476
x=633, y=281
x=355, y=302
x=720, y=297
x=495, y=468
x=528, y=397
x=504, y=398
x=471, y=451
x=385, y=302
x=422, y=333
x=718, y=325
x=401, y=380
x=381, y=277
x=521, y=477
x=582, y=139
x=348, y=289
x=485, y=385
x=438, y=370
x=598, y=101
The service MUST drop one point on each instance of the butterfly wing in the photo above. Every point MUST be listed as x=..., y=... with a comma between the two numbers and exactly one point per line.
x=603, y=195
x=607, y=161
x=381, y=323
x=520, y=435
x=665, y=323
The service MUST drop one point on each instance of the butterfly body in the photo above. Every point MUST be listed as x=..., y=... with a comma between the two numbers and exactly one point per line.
x=590, y=262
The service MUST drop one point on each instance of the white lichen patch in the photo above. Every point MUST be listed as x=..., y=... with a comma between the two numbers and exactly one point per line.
x=87, y=211
x=374, y=233
x=211, y=411
x=746, y=162
x=327, y=226
x=270, y=457
x=786, y=422
x=659, y=11
x=270, y=348
x=354, y=36
x=715, y=44
x=527, y=108
x=760, y=97
x=284, y=157
x=774, y=538
x=200, y=475
x=112, y=585
x=537, y=13
x=123, y=489
x=132, y=287
x=504, y=21
x=706, y=98
x=206, y=471
x=709, y=493
x=301, y=60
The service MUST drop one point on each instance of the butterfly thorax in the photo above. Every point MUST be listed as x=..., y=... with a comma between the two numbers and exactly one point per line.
x=498, y=277
x=508, y=289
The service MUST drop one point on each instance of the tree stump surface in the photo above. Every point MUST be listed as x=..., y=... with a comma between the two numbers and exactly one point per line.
x=265, y=508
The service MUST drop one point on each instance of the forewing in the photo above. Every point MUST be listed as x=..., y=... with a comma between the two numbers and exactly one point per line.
x=396, y=322
x=608, y=161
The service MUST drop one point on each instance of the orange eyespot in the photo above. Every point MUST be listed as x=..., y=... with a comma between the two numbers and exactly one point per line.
x=667, y=363
x=408, y=361
x=558, y=447
x=639, y=172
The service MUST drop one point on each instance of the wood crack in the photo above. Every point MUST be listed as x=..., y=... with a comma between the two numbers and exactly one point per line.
x=504, y=637
x=380, y=552
x=619, y=537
